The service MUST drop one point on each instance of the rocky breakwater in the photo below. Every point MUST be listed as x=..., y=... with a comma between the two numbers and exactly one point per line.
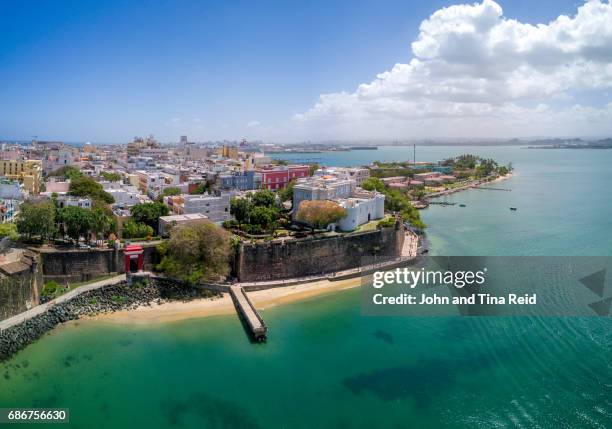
x=107, y=299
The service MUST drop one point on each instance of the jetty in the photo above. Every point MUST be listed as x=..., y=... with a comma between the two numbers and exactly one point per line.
x=249, y=314
x=492, y=189
x=442, y=203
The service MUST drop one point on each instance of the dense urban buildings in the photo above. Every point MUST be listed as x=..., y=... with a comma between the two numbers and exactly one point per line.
x=185, y=180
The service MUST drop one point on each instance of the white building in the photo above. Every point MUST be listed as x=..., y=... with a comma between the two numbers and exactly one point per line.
x=72, y=201
x=128, y=196
x=362, y=208
x=214, y=207
x=325, y=187
x=166, y=223
x=358, y=174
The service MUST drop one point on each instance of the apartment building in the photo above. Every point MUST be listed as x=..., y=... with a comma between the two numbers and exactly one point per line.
x=276, y=178
x=240, y=180
x=215, y=207
x=28, y=172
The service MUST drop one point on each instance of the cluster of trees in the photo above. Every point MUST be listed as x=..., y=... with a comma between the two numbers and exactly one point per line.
x=257, y=212
x=173, y=190
x=481, y=167
x=319, y=213
x=133, y=229
x=84, y=186
x=9, y=230
x=202, y=188
x=77, y=222
x=392, y=169
x=145, y=219
x=462, y=162
x=111, y=177
x=47, y=221
x=312, y=168
x=196, y=253
x=68, y=172
x=37, y=219
x=286, y=192
x=395, y=201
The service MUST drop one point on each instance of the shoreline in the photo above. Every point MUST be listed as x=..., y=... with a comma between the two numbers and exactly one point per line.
x=206, y=307
x=466, y=187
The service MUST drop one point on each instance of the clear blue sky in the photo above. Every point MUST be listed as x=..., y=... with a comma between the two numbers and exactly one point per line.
x=104, y=71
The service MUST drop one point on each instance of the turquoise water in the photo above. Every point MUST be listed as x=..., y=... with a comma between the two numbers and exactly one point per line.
x=326, y=365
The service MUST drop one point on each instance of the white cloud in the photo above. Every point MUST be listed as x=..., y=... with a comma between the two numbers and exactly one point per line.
x=475, y=72
x=253, y=124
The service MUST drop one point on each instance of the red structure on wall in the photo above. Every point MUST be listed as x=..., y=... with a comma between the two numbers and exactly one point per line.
x=134, y=258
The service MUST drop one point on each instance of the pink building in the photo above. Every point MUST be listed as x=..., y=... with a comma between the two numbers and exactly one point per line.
x=277, y=178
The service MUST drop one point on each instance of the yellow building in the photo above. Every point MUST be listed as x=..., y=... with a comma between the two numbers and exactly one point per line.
x=228, y=152
x=28, y=172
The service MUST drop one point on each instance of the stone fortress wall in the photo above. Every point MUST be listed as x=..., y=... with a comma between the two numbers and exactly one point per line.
x=314, y=256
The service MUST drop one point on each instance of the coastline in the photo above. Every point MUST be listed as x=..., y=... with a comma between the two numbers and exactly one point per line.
x=466, y=187
x=206, y=307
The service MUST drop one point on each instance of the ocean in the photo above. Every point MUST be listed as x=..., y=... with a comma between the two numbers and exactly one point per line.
x=326, y=365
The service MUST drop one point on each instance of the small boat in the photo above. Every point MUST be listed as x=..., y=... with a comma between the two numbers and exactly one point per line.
x=513, y=209
x=461, y=205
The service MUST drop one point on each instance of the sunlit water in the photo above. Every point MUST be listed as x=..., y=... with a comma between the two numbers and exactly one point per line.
x=325, y=365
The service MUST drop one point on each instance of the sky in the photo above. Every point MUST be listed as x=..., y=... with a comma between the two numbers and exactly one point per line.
x=290, y=71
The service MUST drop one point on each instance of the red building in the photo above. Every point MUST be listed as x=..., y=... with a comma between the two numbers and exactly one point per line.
x=276, y=178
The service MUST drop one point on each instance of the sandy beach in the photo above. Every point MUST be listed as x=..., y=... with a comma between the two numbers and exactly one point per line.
x=173, y=311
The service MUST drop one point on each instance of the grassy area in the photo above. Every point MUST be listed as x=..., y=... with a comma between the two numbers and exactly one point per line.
x=370, y=226
x=456, y=185
x=53, y=289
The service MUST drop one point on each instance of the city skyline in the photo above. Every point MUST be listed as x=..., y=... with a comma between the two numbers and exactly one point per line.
x=288, y=73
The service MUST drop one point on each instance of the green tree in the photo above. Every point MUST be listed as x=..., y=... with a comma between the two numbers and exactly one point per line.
x=395, y=201
x=196, y=253
x=111, y=177
x=373, y=184
x=85, y=186
x=103, y=222
x=9, y=230
x=171, y=191
x=133, y=229
x=286, y=193
x=241, y=209
x=149, y=213
x=320, y=213
x=202, y=188
x=264, y=217
x=67, y=172
x=37, y=219
x=264, y=198
x=312, y=168
x=76, y=222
